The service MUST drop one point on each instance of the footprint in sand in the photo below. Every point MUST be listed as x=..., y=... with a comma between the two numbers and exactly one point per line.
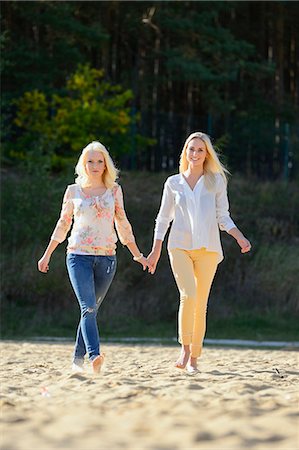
x=195, y=387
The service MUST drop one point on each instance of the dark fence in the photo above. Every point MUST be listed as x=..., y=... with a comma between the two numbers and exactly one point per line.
x=265, y=149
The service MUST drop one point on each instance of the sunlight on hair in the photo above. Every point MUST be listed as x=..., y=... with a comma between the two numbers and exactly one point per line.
x=110, y=174
x=212, y=164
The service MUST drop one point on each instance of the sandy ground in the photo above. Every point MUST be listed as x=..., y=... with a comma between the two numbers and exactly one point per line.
x=241, y=398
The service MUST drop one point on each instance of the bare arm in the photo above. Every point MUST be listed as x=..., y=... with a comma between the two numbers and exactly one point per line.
x=132, y=246
x=224, y=220
x=241, y=239
x=43, y=263
x=124, y=229
x=154, y=255
x=59, y=234
x=164, y=217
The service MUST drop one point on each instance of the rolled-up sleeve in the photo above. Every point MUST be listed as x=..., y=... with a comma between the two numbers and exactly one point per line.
x=224, y=220
x=165, y=214
x=123, y=226
x=66, y=217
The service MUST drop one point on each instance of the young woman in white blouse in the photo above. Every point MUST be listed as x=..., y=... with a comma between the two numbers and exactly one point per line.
x=196, y=202
x=94, y=204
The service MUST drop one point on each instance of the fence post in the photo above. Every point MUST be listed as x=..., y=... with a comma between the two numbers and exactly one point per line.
x=133, y=138
x=209, y=131
x=286, y=151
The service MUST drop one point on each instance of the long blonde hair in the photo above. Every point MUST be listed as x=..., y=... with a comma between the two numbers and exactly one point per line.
x=212, y=164
x=110, y=173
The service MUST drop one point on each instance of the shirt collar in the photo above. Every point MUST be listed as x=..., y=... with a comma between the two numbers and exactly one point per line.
x=181, y=180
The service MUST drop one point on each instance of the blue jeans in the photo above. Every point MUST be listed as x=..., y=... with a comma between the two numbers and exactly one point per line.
x=90, y=276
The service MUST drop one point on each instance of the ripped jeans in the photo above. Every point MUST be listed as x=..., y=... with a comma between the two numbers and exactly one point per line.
x=90, y=276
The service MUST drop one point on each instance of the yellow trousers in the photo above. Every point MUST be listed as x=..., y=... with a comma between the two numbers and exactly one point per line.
x=194, y=271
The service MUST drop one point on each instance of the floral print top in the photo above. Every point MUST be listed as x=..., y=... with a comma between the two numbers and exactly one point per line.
x=93, y=218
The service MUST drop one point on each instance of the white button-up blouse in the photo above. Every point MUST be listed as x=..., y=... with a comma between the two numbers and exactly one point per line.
x=197, y=214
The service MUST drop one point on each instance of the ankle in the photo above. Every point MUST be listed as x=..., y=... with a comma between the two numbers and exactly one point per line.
x=185, y=349
x=193, y=361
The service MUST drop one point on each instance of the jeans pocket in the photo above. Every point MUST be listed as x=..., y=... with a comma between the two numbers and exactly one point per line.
x=70, y=257
x=111, y=258
x=112, y=263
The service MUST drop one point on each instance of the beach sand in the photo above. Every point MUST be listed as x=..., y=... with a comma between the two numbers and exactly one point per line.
x=241, y=398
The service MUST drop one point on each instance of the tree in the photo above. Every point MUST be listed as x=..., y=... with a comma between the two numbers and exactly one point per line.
x=90, y=109
x=228, y=68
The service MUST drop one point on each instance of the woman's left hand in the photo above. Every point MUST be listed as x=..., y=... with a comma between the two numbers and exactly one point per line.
x=143, y=262
x=244, y=244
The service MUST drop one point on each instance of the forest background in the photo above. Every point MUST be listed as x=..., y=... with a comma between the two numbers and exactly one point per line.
x=140, y=76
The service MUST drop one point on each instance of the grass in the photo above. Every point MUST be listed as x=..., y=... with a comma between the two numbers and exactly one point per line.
x=254, y=296
x=28, y=322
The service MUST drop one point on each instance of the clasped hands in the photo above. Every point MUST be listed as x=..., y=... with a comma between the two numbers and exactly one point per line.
x=150, y=262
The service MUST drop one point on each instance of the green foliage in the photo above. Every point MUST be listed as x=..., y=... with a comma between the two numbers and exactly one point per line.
x=206, y=52
x=262, y=284
x=90, y=109
x=32, y=113
x=47, y=40
x=93, y=110
x=225, y=67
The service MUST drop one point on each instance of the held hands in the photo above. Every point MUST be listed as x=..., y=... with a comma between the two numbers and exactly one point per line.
x=141, y=260
x=150, y=262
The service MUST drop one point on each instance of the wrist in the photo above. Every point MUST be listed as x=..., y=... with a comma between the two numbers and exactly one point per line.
x=157, y=245
x=138, y=257
x=156, y=250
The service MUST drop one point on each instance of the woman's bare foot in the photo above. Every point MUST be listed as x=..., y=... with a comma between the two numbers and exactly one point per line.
x=192, y=365
x=183, y=358
x=97, y=363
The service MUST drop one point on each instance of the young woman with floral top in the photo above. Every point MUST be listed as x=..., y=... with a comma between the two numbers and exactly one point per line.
x=94, y=204
x=196, y=201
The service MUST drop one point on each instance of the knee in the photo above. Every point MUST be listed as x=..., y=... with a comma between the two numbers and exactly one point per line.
x=188, y=291
x=89, y=311
x=188, y=297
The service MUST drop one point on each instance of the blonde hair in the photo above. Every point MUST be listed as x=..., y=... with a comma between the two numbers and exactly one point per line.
x=212, y=164
x=110, y=173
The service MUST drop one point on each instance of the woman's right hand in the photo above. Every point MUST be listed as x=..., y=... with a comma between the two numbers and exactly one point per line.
x=43, y=264
x=152, y=261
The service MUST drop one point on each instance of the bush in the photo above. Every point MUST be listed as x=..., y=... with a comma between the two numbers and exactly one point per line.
x=89, y=108
x=260, y=284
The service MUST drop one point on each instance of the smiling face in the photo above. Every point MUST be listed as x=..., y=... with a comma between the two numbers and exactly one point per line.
x=94, y=164
x=196, y=152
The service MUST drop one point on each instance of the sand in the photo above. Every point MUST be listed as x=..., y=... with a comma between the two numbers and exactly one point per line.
x=241, y=398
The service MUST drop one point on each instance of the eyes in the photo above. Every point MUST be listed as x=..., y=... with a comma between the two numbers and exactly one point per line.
x=100, y=161
x=199, y=150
